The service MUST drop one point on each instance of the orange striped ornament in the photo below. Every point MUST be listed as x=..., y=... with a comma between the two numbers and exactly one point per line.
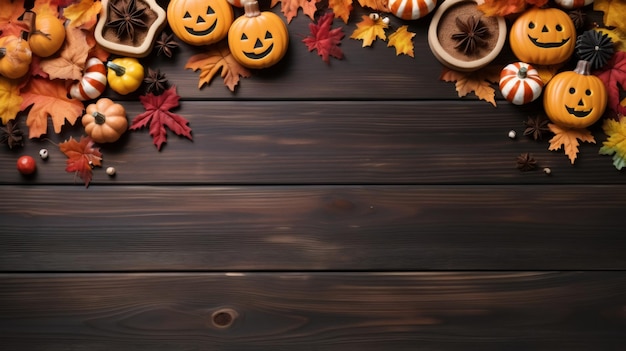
x=520, y=83
x=572, y=4
x=93, y=82
x=411, y=9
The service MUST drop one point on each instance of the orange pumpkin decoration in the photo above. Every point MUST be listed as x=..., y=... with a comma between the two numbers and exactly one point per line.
x=200, y=22
x=575, y=99
x=258, y=39
x=105, y=121
x=544, y=36
x=48, y=36
x=411, y=9
x=15, y=57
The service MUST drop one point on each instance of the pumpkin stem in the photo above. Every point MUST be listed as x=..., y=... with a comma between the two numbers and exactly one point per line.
x=100, y=118
x=119, y=70
x=522, y=73
x=583, y=67
x=251, y=8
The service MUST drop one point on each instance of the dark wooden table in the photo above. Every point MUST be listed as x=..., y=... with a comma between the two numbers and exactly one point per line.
x=359, y=205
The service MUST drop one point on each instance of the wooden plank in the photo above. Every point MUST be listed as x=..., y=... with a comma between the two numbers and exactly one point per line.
x=173, y=228
x=314, y=311
x=340, y=142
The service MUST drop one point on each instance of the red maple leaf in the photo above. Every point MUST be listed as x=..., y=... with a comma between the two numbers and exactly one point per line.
x=159, y=116
x=82, y=157
x=612, y=75
x=325, y=40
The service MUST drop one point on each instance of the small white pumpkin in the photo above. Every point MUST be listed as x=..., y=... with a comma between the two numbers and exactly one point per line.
x=93, y=82
x=573, y=4
x=520, y=83
x=411, y=9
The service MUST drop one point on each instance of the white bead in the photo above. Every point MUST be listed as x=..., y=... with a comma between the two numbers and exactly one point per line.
x=386, y=20
x=43, y=153
x=374, y=16
x=110, y=171
x=512, y=134
x=547, y=171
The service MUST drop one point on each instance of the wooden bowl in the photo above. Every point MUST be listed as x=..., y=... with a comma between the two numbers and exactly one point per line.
x=448, y=59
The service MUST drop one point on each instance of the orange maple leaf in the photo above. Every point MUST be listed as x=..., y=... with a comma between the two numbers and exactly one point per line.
x=82, y=157
x=45, y=7
x=478, y=82
x=49, y=98
x=10, y=99
x=83, y=14
x=9, y=23
x=290, y=7
x=402, y=40
x=69, y=62
x=341, y=8
x=217, y=58
x=369, y=29
x=568, y=138
x=378, y=5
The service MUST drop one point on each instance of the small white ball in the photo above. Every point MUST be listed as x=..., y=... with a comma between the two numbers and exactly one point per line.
x=43, y=153
x=374, y=16
x=547, y=171
x=386, y=20
x=512, y=134
x=110, y=171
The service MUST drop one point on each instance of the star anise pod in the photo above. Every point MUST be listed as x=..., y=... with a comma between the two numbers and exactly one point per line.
x=156, y=81
x=11, y=134
x=473, y=33
x=127, y=17
x=165, y=44
x=537, y=126
x=578, y=17
x=526, y=162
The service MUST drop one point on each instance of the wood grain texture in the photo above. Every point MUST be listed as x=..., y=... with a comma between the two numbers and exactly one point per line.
x=315, y=311
x=312, y=228
x=328, y=142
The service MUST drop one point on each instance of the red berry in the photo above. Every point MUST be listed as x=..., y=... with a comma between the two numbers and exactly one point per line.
x=26, y=165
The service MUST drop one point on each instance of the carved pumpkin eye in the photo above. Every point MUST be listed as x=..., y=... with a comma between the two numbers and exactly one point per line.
x=268, y=35
x=244, y=36
x=572, y=90
x=588, y=92
x=187, y=15
x=531, y=25
x=209, y=11
x=559, y=28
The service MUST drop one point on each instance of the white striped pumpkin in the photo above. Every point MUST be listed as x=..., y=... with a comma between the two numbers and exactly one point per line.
x=572, y=4
x=411, y=9
x=93, y=82
x=520, y=83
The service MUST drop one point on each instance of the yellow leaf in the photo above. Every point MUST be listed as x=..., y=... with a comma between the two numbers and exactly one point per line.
x=378, y=5
x=368, y=30
x=568, y=138
x=10, y=99
x=83, y=14
x=616, y=142
x=546, y=72
x=290, y=7
x=402, y=41
x=617, y=36
x=217, y=58
x=44, y=7
x=341, y=8
x=478, y=82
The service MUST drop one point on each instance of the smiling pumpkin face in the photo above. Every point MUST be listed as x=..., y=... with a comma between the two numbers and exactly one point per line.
x=543, y=36
x=258, y=39
x=575, y=99
x=200, y=22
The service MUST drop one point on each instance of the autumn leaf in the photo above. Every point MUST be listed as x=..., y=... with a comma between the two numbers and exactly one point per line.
x=369, y=29
x=49, y=99
x=616, y=142
x=613, y=75
x=45, y=7
x=341, y=8
x=159, y=116
x=402, y=40
x=568, y=139
x=617, y=36
x=325, y=40
x=82, y=157
x=290, y=7
x=218, y=58
x=546, y=72
x=377, y=5
x=478, y=82
x=614, y=12
x=10, y=99
x=11, y=11
x=83, y=14
x=70, y=61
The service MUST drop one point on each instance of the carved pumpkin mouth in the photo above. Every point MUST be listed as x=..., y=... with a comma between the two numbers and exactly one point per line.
x=253, y=56
x=547, y=45
x=579, y=114
x=201, y=32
